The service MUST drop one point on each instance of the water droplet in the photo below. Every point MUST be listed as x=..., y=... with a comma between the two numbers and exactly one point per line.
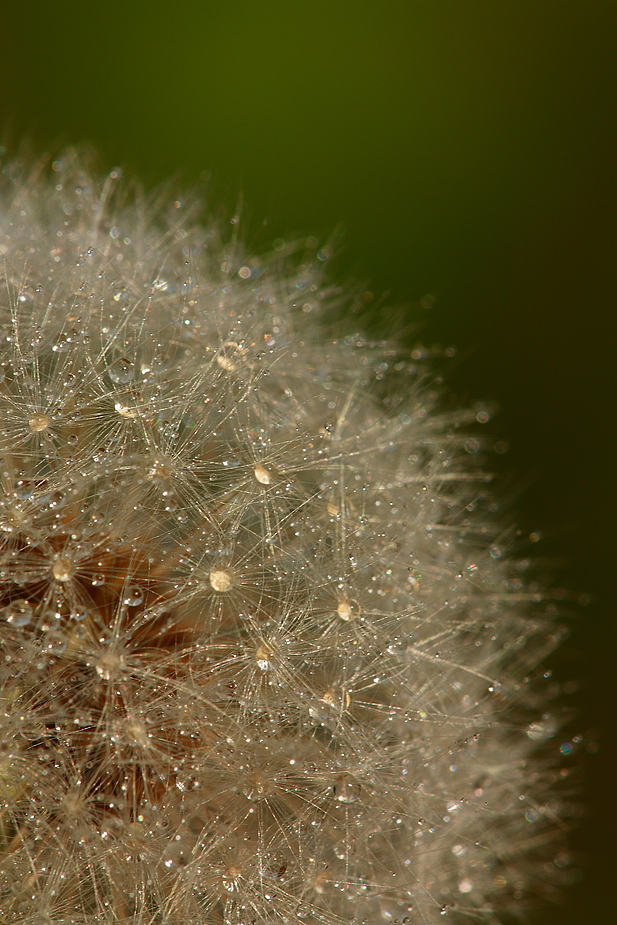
x=177, y=854
x=256, y=787
x=273, y=866
x=39, y=422
x=543, y=729
x=134, y=596
x=121, y=371
x=221, y=579
x=136, y=733
x=159, y=471
x=348, y=610
x=98, y=580
x=109, y=665
x=346, y=789
x=63, y=568
x=54, y=643
x=263, y=475
x=331, y=705
x=263, y=657
x=19, y=613
x=230, y=878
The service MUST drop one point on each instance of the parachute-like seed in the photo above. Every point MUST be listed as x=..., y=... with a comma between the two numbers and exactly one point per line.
x=264, y=657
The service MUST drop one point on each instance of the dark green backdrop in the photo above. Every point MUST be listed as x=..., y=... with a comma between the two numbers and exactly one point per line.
x=465, y=148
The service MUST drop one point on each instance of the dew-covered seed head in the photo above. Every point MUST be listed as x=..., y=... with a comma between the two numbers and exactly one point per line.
x=230, y=696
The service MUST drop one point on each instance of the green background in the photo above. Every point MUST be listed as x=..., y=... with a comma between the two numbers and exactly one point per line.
x=464, y=151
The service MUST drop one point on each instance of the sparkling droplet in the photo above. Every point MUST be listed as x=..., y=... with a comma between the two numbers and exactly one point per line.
x=39, y=422
x=19, y=613
x=348, y=610
x=54, y=643
x=263, y=657
x=178, y=854
x=136, y=733
x=346, y=789
x=256, y=787
x=98, y=580
x=134, y=596
x=273, y=866
x=109, y=665
x=221, y=579
x=263, y=475
x=159, y=471
x=124, y=411
x=63, y=568
x=121, y=371
x=331, y=705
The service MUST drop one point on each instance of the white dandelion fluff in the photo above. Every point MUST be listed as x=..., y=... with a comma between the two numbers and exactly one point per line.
x=264, y=657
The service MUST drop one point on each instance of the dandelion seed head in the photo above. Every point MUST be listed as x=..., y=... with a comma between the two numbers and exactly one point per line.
x=266, y=654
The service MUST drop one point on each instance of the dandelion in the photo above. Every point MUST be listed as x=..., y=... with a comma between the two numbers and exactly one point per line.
x=263, y=658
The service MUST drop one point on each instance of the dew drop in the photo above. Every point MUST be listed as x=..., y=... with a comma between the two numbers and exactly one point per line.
x=121, y=371
x=178, y=854
x=263, y=475
x=136, y=733
x=230, y=878
x=55, y=643
x=273, y=866
x=256, y=787
x=221, y=579
x=63, y=568
x=109, y=665
x=348, y=610
x=331, y=705
x=19, y=613
x=39, y=422
x=134, y=596
x=159, y=471
x=263, y=657
x=346, y=789
x=98, y=580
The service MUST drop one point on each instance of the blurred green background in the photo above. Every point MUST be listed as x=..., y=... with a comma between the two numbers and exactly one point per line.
x=465, y=150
